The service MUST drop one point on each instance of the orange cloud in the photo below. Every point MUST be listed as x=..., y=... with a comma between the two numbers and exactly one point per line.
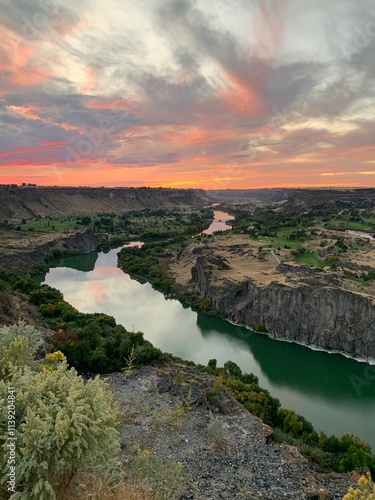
x=90, y=80
x=241, y=96
x=34, y=76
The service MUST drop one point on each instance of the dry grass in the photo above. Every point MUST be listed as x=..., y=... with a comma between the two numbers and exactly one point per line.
x=98, y=488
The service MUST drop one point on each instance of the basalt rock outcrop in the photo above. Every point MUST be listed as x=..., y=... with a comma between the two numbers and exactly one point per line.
x=21, y=251
x=294, y=302
x=27, y=202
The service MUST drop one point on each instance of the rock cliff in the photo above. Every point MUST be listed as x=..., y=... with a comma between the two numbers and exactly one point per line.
x=294, y=302
x=21, y=251
x=29, y=201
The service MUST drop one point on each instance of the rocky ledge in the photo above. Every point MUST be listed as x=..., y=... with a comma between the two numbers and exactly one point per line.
x=294, y=302
x=22, y=250
x=239, y=462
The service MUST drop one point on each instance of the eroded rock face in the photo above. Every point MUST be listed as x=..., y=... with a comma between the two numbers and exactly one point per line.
x=324, y=317
x=20, y=251
x=19, y=202
x=295, y=302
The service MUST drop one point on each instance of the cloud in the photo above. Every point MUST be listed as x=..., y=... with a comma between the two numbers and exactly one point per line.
x=184, y=90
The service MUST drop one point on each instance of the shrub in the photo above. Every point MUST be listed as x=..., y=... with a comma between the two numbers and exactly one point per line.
x=212, y=363
x=366, y=490
x=232, y=369
x=9, y=333
x=260, y=328
x=155, y=477
x=18, y=344
x=217, y=434
x=333, y=260
x=63, y=426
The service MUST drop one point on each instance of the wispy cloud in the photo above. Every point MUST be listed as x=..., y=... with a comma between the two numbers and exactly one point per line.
x=182, y=92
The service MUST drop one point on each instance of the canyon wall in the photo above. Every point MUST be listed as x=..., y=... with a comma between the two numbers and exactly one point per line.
x=21, y=251
x=19, y=202
x=294, y=302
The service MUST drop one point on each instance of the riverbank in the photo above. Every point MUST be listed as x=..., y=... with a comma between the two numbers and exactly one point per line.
x=65, y=319
x=321, y=308
x=305, y=384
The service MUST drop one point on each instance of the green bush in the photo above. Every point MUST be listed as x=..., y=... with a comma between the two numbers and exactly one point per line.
x=260, y=328
x=232, y=369
x=62, y=424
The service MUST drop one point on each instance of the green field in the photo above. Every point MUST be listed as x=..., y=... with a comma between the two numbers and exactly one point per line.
x=148, y=223
x=59, y=223
x=282, y=238
x=342, y=224
x=281, y=242
x=310, y=259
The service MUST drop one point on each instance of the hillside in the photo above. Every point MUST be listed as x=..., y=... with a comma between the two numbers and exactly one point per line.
x=18, y=202
x=225, y=452
x=300, y=200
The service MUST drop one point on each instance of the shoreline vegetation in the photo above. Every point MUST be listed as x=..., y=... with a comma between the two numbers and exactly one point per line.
x=96, y=344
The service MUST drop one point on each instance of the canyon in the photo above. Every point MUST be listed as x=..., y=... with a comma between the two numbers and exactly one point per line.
x=287, y=300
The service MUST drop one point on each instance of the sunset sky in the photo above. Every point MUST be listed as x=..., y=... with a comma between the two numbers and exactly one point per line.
x=188, y=93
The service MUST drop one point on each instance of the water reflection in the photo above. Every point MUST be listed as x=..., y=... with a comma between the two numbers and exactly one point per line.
x=85, y=262
x=302, y=363
x=219, y=223
x=315, y=384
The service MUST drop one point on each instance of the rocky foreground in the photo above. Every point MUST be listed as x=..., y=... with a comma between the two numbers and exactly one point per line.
x=237, y=461
x=253, y=285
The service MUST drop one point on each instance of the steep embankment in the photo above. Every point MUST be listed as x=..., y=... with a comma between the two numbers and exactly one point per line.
x=229, y=456
x=29, y=201
x=24, y=250
x=295, y=302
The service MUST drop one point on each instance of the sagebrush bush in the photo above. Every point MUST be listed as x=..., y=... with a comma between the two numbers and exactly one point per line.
x=366, y=490
x=64, y=425
x=9, y=333
x=217, y=434
x=18, y=345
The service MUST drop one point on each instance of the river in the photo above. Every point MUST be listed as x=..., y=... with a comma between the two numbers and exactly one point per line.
x=219, y=223
x=322, y=387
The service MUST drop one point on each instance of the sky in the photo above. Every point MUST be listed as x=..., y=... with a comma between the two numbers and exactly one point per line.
x=188, y=93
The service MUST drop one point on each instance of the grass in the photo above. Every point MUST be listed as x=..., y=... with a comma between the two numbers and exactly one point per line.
x=282, y=238
x=311, y=259
x=354, y=246
x=359, y=282
x=63, y=223
x=59, y=223
x=281, y=242
x=367, y=225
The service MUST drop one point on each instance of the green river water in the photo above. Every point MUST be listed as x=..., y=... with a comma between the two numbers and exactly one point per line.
x=323, y=387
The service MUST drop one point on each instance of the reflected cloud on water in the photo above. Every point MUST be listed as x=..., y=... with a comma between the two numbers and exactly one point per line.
x=315, y=384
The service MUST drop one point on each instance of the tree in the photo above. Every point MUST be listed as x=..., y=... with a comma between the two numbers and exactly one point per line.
x=86, y=220
x=212, y=363
x=232, y=369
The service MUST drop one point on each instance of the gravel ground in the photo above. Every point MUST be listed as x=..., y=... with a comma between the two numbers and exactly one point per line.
x=226, y=452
